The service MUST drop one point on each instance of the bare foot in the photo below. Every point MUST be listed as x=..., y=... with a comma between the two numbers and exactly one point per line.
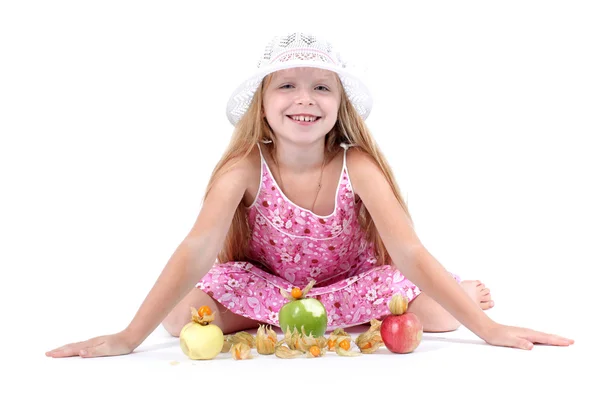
x=479, y=293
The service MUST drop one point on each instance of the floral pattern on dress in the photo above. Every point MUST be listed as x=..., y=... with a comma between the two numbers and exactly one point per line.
x=290, y=246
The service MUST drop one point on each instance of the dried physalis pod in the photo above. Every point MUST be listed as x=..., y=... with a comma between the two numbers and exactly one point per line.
x=398, y=304
x=375, y=325
x=239, y=337
x=335, y=335
x=343, y=347
x=241, y=351
x=227, y=343
x=304, y=342
x=286, y=337
x=368, y=342
x=296, y=293
x=282, y=351
x=243, y=337
x=266, y=339
x=291, y=339
x=202, y=316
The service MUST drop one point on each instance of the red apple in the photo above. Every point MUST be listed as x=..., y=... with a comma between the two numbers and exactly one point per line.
x=401, y=331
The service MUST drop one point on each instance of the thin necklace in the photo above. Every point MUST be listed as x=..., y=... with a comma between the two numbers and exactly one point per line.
x=318, y=186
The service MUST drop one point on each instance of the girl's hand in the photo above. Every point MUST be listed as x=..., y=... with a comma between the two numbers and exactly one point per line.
x=110, y=345
x=522, y=338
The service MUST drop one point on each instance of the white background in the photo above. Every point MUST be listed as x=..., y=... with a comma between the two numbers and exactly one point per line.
x=112, y=116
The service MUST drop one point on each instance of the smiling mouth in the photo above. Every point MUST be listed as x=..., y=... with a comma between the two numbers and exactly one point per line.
x=303, y=119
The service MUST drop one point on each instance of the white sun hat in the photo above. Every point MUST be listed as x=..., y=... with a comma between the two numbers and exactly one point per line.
x=300, y=50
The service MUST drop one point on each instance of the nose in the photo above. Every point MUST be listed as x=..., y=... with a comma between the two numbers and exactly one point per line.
x=305, y=96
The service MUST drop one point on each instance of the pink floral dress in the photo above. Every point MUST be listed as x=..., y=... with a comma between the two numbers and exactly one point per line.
x=292, y=245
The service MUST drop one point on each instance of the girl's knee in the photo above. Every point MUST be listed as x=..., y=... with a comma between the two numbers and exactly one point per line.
x=173, y=324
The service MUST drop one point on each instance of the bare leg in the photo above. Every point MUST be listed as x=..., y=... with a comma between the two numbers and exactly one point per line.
x=228, y=321
x=436, y=319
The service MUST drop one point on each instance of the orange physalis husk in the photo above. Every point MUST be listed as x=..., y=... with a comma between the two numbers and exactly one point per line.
x=202, y=320
x=244, y=337
x=292, y=339
x=369, y=342
x=316, y=351
x=375, y=325
x=227, y=343
x=304, y=342
x=239, y=337
x=301, y=341
x=241, y=351
x=266, y=339
x=289, y=338
x=346, y=353
x=304, y=291
x=282, y=351
x=335, y=335
x=343, y=348
x=398, y=304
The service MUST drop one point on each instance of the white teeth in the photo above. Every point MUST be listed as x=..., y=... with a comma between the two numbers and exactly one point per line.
x=303, y=118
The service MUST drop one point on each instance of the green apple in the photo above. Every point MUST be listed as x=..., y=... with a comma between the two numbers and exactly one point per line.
x=307, y=312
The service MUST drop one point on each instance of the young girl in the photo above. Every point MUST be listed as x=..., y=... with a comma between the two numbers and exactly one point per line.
x=301, y=193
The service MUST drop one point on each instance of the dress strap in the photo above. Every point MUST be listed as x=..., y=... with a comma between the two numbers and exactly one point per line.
x=346, y=146
x=262, y=159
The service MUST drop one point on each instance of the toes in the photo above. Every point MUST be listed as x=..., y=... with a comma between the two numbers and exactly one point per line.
x=485, y=291
x=486, y=297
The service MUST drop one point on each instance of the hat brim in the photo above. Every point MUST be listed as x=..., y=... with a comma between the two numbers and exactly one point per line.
x=357, y=92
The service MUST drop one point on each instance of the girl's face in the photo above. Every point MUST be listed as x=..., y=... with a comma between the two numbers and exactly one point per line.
x=301, y=104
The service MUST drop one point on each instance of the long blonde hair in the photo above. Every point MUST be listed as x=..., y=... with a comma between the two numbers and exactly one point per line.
x=253, y=128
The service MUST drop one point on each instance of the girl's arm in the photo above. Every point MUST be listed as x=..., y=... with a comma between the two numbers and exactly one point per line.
x=192, y=259
x=195, y=255
x=420, y=267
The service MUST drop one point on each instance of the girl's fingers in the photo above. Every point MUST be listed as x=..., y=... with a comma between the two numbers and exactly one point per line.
x=94, y=351
x=66, y=346
x=521, y=343
x=553, y=340
x=516, y=340
x=70, y=350
x=523, y=338
x=65, y=351
x=544, y=338
x=61, y=351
